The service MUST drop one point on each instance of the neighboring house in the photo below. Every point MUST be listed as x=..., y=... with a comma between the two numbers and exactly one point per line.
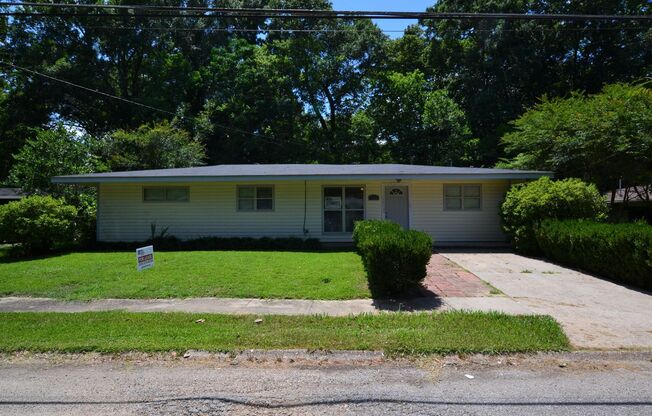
x=10, y=194
x=632, y=203
x=453, y=205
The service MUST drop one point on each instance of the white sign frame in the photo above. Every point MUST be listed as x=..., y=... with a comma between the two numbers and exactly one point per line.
x=145, y=258
x=333, y=203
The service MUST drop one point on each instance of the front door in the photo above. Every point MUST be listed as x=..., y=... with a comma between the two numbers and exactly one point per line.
x=396, y=205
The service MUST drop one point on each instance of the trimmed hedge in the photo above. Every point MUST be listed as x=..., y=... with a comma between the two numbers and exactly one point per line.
x=171, y=243
x=363, y=230
x=618, y=251
x=395, y=259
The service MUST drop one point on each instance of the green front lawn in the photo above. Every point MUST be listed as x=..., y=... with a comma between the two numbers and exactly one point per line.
x=241, y=274
x=411, y=333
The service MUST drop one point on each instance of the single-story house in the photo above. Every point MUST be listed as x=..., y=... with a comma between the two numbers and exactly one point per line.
x=454, y=205
x=8, y=195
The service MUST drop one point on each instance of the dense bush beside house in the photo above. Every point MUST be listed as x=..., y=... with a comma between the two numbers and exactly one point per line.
x=527, y=204
x=38, y=224
x=395, y=259
x=618, y=251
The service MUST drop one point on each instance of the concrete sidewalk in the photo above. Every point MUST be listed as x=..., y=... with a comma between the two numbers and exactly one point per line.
x=263, y=306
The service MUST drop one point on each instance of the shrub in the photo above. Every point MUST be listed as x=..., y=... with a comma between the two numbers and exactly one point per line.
x=395, y=259
x=368, y=228
x=171, y=243
x=38, y=223
x=527, y=204
x=618, y=251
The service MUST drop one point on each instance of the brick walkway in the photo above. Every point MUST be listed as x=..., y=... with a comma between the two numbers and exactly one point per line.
x=447, y=279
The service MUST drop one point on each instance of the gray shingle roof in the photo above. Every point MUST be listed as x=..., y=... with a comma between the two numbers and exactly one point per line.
x=300, y=172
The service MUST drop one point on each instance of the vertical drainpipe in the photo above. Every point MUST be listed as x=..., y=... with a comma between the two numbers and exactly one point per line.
x=305, y=207
x=97, y=212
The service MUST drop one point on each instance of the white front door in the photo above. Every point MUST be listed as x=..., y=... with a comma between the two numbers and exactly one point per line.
x=396, y=205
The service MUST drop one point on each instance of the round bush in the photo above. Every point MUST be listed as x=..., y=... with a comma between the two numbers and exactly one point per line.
x=38, y=223
x=527, y=204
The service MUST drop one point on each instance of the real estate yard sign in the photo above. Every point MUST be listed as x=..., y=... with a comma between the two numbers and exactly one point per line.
x=145, y=257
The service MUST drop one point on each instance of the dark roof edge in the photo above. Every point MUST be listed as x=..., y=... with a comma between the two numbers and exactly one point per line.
x=249, y=178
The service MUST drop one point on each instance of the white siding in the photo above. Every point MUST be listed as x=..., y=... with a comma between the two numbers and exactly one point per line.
x=444, y=226
x=211, y=211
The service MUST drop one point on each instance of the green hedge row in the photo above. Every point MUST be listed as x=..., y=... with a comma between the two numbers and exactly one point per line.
x=395, y=259
x=618, y=251
x=170, y=243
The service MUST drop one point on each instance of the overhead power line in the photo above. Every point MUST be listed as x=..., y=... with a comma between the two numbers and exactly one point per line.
x=326, y=30
x=136, y=103
x=215, y=12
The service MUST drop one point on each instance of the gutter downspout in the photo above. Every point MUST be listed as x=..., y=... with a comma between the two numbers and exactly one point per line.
x=305, y=207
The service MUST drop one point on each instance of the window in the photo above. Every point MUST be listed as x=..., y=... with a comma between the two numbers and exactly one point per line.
x=462, y=197
x=343, y=206
x=255, y=198
x=166, y=194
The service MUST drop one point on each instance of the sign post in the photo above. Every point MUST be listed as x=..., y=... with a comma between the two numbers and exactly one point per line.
x=145, y=257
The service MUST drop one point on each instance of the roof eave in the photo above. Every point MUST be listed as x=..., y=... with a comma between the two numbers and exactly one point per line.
x=252, y=178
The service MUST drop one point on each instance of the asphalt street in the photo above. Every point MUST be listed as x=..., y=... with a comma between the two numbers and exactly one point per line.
x=301, y=384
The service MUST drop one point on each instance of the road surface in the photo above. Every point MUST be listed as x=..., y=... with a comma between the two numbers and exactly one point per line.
x=305, y=384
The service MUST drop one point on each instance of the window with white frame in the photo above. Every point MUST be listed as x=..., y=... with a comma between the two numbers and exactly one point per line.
x=255, y=198
x=342, y=206
x=166, y=194
x=462, y=197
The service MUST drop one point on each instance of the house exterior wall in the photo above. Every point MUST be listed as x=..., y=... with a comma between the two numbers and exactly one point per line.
x=212, y=211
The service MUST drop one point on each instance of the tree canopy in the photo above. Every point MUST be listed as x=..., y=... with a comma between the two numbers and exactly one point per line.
x=605, y=138
x=256, y=90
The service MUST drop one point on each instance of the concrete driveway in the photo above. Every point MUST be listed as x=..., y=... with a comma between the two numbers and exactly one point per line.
x=595, y=313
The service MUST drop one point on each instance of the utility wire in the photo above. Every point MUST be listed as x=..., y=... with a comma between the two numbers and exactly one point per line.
x=115, y=97
x=264, y=30
x=195, y=12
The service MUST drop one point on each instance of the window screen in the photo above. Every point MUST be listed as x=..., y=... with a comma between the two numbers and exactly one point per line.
x=255, y=198
x=462, y=197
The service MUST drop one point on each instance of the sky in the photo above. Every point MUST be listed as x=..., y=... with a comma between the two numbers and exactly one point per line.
x=386, y=5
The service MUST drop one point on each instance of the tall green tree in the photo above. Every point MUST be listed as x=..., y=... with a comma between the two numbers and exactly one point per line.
x=419, y=124
x=159, y=146
x=52, y=152
x=497, y=68
x=603, y=138
x=252, y=114
x=331, y=72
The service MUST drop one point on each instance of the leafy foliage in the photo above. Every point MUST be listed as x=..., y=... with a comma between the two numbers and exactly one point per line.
x=416, y=123
x=38, y=223
x=498, y=68
x=270, y=96
x=52, y=152
x=604, y=138
x=151, y=147
x=619, y=251
x=527, y=204
x=395, y=259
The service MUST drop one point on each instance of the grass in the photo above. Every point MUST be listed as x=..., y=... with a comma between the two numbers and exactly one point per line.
x=419, y=333
x=240, y=274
